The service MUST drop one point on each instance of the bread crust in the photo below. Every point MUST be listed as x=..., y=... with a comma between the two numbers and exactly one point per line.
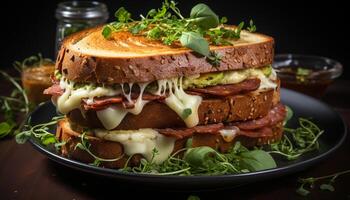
x=175, y=61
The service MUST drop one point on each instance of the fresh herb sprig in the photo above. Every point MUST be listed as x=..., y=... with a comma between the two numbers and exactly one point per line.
x=252, y=27
x=16, y=104
x=300, y=140
x=12, y=106
x=207, y=161
x=85, y=146
x=309, y=183
x=168, y=25
x=41, y=132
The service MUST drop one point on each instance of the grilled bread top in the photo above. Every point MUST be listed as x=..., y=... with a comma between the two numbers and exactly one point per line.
x=126, y=58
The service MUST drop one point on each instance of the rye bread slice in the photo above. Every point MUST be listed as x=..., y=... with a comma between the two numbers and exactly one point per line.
x=87, y=56
x=109, y=150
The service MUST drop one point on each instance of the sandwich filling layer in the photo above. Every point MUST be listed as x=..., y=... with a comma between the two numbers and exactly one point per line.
x=183, y=95
x=146, y=141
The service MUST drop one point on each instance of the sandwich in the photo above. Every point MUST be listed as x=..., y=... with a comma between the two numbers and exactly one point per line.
x=128, y=95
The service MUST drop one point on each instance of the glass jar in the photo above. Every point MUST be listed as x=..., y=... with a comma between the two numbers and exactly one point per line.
x=74, y=16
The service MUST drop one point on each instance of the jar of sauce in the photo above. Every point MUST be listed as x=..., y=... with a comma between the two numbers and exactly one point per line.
x=35, y=79
x=74, y=16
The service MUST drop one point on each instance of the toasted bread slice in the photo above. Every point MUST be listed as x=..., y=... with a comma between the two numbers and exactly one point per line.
x=88, y=57
x=156, y=114
x=110, y=150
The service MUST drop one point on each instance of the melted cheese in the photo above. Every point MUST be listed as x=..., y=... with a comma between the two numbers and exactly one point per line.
x=265, y=82
x=113, y=115
x=71, y=98
x=229, y=134
x=178, y=100
x=141, y=141
x=232, y=77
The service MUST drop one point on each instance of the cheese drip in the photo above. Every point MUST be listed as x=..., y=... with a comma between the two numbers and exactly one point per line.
x=141, y=141
x=179, y=101
x=71, y=98
x=112, y=116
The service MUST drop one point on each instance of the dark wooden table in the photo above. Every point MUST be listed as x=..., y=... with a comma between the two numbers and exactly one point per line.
x=27, y=174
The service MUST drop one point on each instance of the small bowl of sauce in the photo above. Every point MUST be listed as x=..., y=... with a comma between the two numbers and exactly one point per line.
x=307, y=74
x=36, y=77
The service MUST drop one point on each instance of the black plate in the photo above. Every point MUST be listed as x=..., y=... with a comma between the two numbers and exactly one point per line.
x=303, y=106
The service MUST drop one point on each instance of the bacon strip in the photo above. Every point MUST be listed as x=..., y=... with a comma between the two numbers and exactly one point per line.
x=275, y=115
x=253, y=128
x=54, y=90
x=103, y=102
x=188, y=132
x=218, y=90
x=261, y=132
x=229, y=89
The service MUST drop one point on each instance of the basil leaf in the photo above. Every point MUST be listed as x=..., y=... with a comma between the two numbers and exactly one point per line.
x=328, y=187
x=196, y=42
x=257, y=160
x=106, y=32
x=204, y=17
x=48, y=139
x=5, y=129
x=122, y=15
x=200, y=156
x=186, y=112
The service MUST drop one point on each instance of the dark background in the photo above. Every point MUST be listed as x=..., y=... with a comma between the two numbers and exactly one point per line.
x=301, y=27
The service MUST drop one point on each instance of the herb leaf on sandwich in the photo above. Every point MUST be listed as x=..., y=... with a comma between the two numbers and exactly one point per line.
x=166, y=24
